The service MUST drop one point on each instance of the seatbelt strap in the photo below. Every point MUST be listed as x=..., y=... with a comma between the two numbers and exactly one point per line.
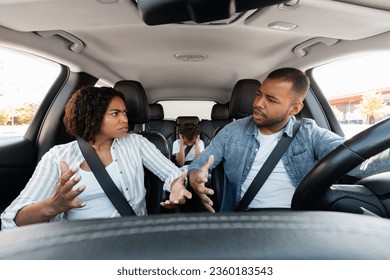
x=104, y=179
x=187, y=150
x=267, y=168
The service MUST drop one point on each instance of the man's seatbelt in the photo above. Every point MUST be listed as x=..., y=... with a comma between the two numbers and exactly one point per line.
x=267, y=168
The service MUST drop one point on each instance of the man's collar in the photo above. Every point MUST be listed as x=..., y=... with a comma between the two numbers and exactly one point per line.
x=288, y=129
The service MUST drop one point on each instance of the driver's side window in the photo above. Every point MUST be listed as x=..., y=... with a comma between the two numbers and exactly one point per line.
x=358, y=90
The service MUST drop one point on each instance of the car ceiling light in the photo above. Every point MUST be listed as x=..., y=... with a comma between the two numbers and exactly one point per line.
x=285, y=26
x=190, y=57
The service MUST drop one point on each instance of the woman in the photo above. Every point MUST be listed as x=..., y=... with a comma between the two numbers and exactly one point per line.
x=63, y=186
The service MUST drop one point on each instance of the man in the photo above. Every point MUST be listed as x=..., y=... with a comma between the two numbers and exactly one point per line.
x=245, y=144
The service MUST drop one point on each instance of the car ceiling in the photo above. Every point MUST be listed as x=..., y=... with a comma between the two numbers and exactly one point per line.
x=116, y=44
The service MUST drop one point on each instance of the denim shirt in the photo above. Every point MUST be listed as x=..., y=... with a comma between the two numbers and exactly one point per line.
x=236, y=145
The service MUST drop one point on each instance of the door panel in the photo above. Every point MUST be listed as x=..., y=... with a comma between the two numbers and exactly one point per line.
x=17, y=162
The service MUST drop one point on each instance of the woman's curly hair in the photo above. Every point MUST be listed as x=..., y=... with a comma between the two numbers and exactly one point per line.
x=85, y=110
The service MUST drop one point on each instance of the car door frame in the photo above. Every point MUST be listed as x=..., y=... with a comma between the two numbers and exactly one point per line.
x=19, y=156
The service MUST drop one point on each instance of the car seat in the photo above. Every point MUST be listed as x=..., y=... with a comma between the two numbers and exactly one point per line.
x=219, y=118
x=240, y=106
x=138, y=114
x=157, y=123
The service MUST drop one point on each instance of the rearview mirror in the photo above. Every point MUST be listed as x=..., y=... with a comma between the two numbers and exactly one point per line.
x=155, y=12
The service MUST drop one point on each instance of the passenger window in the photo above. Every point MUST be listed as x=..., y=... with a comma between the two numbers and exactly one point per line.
x=24, y=81
x=358, y=89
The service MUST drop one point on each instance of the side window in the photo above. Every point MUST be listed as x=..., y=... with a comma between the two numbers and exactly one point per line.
x=358, y=89
x=24, y=81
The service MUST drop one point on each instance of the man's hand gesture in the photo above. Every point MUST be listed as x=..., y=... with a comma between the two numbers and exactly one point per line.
x=198, y=180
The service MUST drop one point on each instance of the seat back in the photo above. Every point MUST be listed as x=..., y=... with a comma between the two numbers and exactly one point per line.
x=136, y=102
x=240, y=106
x=157, y=123
x=219, y=118
x=138, y=114
x=241, y=100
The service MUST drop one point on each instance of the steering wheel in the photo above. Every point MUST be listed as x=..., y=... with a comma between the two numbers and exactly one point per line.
x=339, y=162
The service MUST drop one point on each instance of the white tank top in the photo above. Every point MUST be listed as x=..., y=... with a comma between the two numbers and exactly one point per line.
x=98, y=204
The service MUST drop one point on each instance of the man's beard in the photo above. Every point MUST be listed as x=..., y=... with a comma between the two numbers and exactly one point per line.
x=269, y=123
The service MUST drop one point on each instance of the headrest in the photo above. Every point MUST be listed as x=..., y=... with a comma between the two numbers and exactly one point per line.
x=241, y=100
x=136, y=100
x=184, y=119
x=156, y=111
x=219, y=112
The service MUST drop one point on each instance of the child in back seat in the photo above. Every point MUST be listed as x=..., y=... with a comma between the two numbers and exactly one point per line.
x=188, y=146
